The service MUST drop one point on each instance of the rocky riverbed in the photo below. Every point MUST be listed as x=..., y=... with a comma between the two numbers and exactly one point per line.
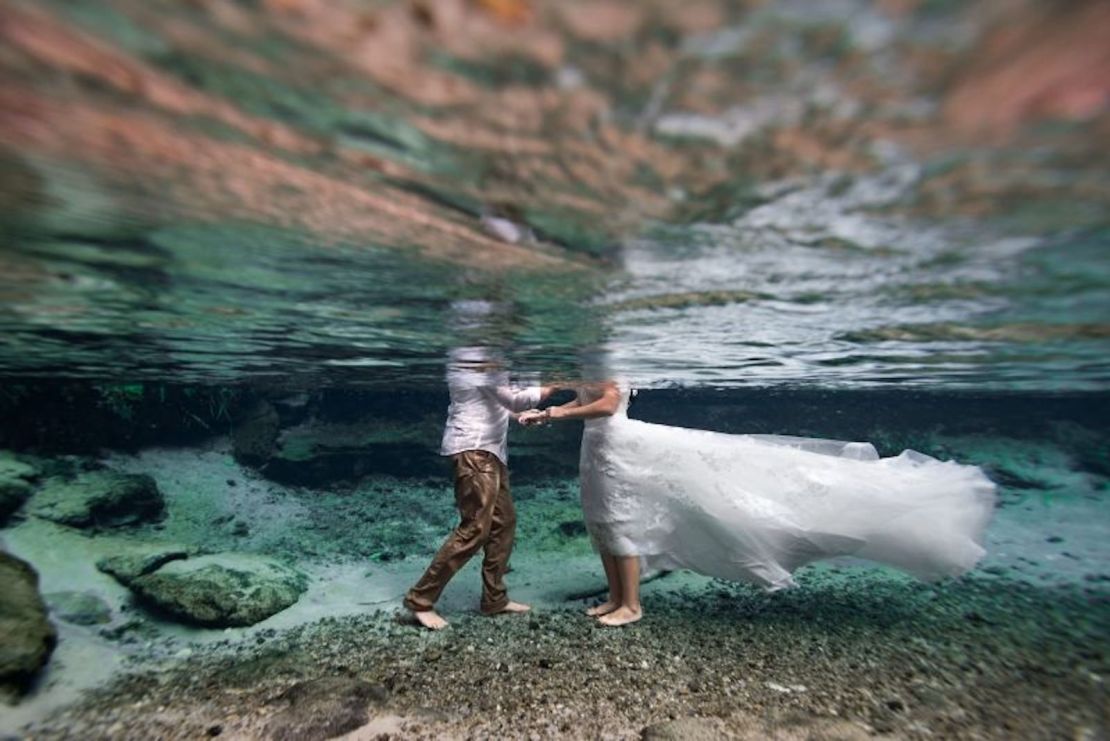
x=1018, y=648
x=851, y=654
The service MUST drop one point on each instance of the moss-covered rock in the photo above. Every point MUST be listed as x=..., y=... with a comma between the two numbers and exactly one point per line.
x=126, y=567
x=221, y=590
x=100, y=499
x=27, y=638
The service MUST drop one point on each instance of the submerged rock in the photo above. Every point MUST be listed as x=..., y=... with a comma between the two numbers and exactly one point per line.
x=15, y=484
x=129, y=566
x=79, y=608
x=256, y=433
x=13, y=493
x=100, y=499
x=12, y=467
x=27, y=638
x=324, y=708
x=221, y=590
x=323, y=453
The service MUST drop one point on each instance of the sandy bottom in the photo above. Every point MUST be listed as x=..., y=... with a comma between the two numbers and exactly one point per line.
x=1017, y=649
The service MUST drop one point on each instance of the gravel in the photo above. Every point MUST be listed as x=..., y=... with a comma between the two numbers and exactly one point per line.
x=851, y=654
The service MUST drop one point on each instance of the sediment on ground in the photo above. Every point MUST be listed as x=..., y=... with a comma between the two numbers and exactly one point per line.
x=851, y=654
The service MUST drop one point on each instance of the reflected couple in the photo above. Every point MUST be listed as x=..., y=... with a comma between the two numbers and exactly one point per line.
x=742, y=507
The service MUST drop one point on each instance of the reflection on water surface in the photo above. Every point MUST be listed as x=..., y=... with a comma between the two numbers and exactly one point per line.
x=304, y=194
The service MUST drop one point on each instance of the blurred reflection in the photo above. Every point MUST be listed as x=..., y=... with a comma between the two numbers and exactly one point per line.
x=847, y=193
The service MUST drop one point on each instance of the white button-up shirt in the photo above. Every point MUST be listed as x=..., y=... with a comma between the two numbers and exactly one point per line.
x=478, y=418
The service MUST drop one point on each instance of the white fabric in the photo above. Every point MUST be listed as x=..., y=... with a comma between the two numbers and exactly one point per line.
x=756, y=507
x=478, y=417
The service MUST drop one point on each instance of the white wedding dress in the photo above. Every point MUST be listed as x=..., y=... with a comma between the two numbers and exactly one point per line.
x=756, y=507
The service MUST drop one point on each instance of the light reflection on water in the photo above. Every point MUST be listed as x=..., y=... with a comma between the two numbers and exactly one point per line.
x=813, y=287
x=719, y=305
x=742, y=200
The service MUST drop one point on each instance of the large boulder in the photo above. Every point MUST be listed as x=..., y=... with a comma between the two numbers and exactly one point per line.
x=27, y=638
x=100, y=499
x=221, y=590
x=15, y=484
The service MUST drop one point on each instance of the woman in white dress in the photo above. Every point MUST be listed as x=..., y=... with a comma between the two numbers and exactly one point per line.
x=756, y=507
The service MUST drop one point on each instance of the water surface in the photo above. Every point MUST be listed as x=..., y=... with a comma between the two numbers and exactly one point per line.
x=304, y=196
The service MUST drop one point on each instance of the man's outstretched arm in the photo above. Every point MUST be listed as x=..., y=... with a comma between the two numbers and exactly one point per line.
x=518, y=400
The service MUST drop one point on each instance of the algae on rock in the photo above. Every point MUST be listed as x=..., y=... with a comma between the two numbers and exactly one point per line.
x=100, y=499
x=220, y=590
x=27, y=638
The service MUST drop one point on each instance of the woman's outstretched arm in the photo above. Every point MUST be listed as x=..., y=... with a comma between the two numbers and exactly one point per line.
x=605, y=406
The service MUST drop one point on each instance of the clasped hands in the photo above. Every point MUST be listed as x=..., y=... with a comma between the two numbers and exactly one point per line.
x=536, y=417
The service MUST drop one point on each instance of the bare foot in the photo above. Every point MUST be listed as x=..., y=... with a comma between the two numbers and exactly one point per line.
x=511, y=607
x=430, y=619
x=603, y=609
x=620, y=616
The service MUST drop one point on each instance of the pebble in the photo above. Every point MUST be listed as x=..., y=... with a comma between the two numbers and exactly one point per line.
x=870, y=638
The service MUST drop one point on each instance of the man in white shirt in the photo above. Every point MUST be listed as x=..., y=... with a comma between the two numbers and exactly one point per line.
x=477, y=423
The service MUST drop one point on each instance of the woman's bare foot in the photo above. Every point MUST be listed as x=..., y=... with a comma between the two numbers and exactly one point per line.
x=603, y=609
x=430, y=619
x=511, y=607
x=621, y=616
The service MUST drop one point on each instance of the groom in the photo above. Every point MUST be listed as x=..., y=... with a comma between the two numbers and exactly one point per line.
x=474, y=438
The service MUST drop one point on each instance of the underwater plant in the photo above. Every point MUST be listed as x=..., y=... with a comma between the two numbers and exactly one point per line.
x=120, y=399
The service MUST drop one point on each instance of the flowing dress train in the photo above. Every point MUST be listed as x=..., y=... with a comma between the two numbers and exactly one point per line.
x=756, y=507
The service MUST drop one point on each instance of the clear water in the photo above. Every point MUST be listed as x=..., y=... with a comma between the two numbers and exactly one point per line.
x=788, y=218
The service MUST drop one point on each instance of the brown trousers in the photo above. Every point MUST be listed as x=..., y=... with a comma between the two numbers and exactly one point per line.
x=487, y=520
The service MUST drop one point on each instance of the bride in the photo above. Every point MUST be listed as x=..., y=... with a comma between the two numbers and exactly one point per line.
x=756, y=507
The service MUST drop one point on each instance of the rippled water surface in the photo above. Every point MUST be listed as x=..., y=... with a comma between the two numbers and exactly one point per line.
x=309, y=194
x=811, y=287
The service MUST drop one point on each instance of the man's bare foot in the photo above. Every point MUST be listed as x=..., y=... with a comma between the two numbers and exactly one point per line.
x=430, y=619
x=620, y=616
x=512, y=607
x=603, y=609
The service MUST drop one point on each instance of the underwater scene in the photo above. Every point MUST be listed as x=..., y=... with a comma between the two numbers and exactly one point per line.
x=602, y=369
